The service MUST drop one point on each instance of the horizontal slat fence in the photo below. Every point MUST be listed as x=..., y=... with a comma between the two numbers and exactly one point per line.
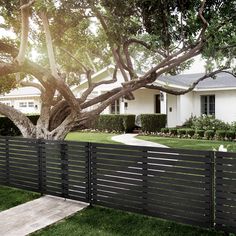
x=171, y=184
x=192, y=187
x=226, y=191
x=49, y=167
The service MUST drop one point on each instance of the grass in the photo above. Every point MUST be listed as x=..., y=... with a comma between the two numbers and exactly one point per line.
x=10, y=197
x=190, y=143
x=98, y=221
x=91, y=137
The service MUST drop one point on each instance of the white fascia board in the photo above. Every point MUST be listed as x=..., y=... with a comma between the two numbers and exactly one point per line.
x=215, y=89
x=170, y=85
x=19, y=96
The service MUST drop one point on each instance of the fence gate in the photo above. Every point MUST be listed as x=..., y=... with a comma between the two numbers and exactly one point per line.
x=65, y=168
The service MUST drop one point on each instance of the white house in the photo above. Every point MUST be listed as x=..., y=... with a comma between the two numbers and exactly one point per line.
x=211, y=96
x=26, y=99
x=146, y=100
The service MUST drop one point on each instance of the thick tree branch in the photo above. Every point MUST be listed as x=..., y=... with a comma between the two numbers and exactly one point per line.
x=51, y=56
x=27, y=5
x=24, y=32
x=19, y=119
x=32, y=84
x=88, y=91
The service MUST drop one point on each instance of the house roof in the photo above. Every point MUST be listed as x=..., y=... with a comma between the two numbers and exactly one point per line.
x=22, y=92
x=222, y=80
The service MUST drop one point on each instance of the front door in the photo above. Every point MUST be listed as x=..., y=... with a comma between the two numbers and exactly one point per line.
x=157, y=103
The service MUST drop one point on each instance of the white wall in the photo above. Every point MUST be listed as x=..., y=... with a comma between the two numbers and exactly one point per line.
x=144, y=102
x=29, y=110
x=171, y=110
x=15, y=102
x=190, y=104
x=225, y=108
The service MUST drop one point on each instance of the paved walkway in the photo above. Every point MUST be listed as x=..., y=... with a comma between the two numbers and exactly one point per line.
x=37, y=214
x=129, y=139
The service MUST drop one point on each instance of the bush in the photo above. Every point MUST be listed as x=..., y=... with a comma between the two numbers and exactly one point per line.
x=8, y=128
x=199, y=133
x=205, y=122
x=189, y=123
x=118, y=123
x=153, y=122
x=165, y=130
x=181, y=132
x=220, y=134
x=209, y=134
x=230, y=134
x=190, y=132
x=173, y=131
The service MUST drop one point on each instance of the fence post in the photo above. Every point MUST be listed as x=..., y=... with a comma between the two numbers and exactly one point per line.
x=7, y=161
x=40, y=165
x=89, y=169
x=212, y=188
x=64, y=169
x=145, y=181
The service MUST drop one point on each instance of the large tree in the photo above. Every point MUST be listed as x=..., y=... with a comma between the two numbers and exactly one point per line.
x=77, y=38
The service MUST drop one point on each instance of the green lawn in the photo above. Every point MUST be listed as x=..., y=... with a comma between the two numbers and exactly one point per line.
x=10, y=197
x=190, y=143
x=99, y=221
x=90, y=137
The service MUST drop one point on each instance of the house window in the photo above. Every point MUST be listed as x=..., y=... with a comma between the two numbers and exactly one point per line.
x=23, y=104
x=115, y=107
x=30, y=104
x=208, y=104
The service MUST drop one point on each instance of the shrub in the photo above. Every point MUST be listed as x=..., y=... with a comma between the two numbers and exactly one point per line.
x=181, y=132
x=209, y=134
x=190, y=132
x=205, y=122
x=189, y=123
x=173, y=131
x=230, y=134
x=118, y=123
x=152, y=122
x=199, y=133
x=165, y=130
x=8, y=128
x=220, y=134
x=128, y=122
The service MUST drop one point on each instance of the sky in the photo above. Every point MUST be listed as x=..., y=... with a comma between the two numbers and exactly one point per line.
x=197, y=66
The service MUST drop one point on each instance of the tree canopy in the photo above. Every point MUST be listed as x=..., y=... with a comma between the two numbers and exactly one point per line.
x=74, y=39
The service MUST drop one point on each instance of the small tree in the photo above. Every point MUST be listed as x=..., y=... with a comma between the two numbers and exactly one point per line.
x=76, y=38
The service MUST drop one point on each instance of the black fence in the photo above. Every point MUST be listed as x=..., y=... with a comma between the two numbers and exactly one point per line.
x=192, y=187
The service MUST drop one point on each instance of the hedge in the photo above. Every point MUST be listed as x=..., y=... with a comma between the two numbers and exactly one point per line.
x=152, y=122
x=173, y=131
x=200, y=133
x=181, y=132
x=117, y=123
x=165, y=130
x=209, y=134
x=7, y=127
x=220, y=134
x=230, y=134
